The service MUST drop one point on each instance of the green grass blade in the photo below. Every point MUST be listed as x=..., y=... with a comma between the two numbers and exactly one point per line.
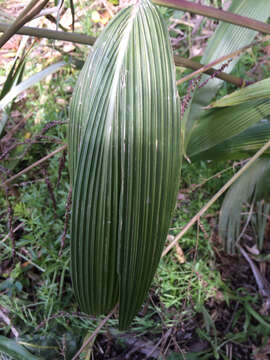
x=124, y=146
x=10, y=79
x=32, y=80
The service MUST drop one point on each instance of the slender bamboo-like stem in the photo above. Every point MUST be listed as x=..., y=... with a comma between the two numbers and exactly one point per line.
x=232, y=55
x=90, y=40
x=27, y=14
x=215, y=197
x=52, y=34
x=194, y=65
x=217, y=14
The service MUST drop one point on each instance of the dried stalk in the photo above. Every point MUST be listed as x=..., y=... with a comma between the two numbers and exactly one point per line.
x=232, y=55
x=94, y=334
x=215, y=197
x=217, y=14
x=30, y=167
x=27, y=14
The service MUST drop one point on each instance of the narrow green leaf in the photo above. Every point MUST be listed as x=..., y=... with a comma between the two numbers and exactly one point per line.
x=32, y=80
x=124, y=149
x=16, y=351
x=9, y=80
x=14, y=78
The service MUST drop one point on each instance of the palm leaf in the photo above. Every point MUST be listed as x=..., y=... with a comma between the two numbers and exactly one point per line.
x=252, y=186
x=240, y=146
x=226, y=39
x=259, y=90
x=260, y=220
x=124, y=162
x=220, y=124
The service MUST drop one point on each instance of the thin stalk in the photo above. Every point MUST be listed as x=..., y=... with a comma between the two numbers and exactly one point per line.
x=215, y=197
x=217, y=14
x=52, y=34
x=218, y=61
x=90, y=40
x=27, y=14
x=94, y=334
x=14, y=230
x=26, y=10
x=194, y=65
x=30, y=167
x=23, y=257
x=263, y=284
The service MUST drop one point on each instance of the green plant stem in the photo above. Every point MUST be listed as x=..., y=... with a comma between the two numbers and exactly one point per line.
x=27, y=14
x=215, y=197
x=217, y=14
x=90, y=40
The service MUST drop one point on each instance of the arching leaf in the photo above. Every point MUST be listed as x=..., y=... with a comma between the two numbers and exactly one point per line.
x=124, y=149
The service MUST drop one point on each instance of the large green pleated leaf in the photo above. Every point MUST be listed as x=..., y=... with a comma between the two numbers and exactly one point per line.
x=226, y=39
x=125, y=155
x=220, y=124
x=240, y=146
x=253, y=185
